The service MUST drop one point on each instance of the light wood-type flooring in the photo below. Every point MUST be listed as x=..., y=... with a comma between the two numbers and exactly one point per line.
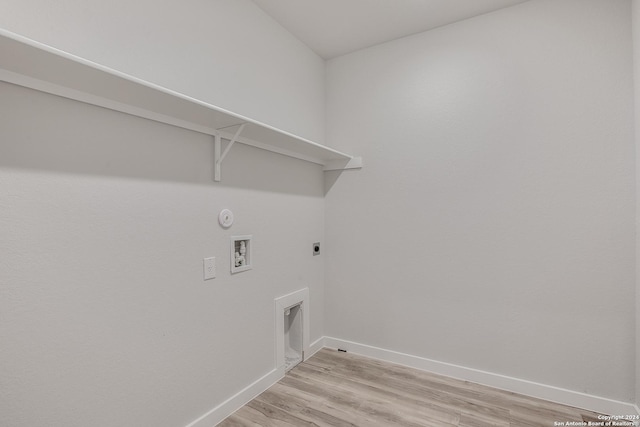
x=342, y=389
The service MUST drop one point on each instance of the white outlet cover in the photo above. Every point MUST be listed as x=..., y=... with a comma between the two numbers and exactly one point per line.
x=209, y=268
x=225, y=218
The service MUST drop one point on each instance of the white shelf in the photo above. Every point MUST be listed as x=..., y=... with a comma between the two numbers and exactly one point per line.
x=37, y=66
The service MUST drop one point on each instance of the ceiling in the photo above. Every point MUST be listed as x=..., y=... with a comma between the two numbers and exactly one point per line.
x=335, y=27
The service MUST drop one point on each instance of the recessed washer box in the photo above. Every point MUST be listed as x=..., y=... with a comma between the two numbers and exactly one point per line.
x=240, y=253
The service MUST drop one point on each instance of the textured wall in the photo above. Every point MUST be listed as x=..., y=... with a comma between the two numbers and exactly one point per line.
x=493, y=224
x=105, y=219
x=105, y=319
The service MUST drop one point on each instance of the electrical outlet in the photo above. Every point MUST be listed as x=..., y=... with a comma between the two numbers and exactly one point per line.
x=209, y=268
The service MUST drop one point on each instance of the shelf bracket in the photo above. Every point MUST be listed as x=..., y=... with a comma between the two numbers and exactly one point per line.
x=218, y=158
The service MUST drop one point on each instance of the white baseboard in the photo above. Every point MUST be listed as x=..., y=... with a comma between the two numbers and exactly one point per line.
x=237, y=401
x=541, y=391
x=315, y=347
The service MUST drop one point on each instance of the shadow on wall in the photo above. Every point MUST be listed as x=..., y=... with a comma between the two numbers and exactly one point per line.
x=330, y=178
x=45, y=132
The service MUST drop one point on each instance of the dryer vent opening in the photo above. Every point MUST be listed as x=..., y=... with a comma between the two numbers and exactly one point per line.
x=292, y=329
x=293, y=342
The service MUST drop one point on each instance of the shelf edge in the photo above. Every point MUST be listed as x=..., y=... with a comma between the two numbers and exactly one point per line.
x=131, y=109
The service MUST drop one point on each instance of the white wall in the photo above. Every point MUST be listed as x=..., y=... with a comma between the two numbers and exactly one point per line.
x=493, y=224
x=226, y=52
x=636, y=75
x=105, y=219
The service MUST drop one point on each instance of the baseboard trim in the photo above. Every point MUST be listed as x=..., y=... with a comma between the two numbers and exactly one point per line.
x=237, y=401
x=315, y=347
x=529, y=388
x=244, y=396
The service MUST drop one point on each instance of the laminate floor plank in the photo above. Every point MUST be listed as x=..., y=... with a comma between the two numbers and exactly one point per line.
x=414, y=383
x=464, y=389
x=473, y=393
x=370, y=386
x=364, y=400
x=351, y=402
x=238, y=421
x=373, y=391
x=336, y=389
x=314, y=410
x=273, y=416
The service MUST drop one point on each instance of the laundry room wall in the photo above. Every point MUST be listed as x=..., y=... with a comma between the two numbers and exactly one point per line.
x=493, y=224
x=105, y=218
